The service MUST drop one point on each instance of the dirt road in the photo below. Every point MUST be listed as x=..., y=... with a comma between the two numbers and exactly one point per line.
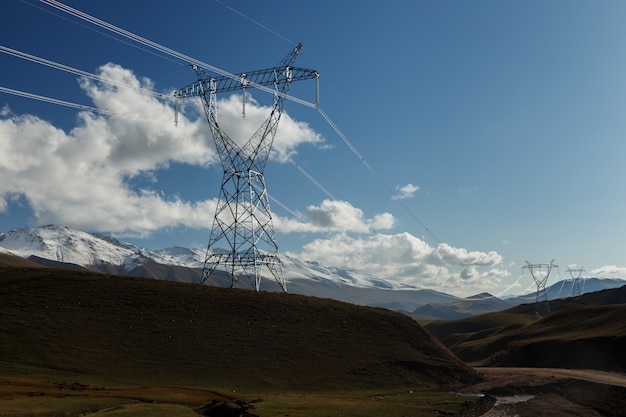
x=550, y=392
x=498, y=377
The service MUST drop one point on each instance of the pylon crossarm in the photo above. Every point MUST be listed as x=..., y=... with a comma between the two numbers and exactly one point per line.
x=576, y=275
x=540, y=274
x=249, y=79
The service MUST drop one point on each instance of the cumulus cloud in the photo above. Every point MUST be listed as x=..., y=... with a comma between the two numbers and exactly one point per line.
x=410, y=260
x=289, y=135
x=405, y=191
x=446, y=254
x=335, y=216
x=81, y=178
x=610, y=271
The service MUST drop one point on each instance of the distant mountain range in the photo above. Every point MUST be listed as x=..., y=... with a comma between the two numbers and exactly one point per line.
x=487, y=303
x=64, y=247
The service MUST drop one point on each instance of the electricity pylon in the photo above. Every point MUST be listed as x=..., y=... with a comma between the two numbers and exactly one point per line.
x=243, y=220
x=576, y=275
x=540, y=274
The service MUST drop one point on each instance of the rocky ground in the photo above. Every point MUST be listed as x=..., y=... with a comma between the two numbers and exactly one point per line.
x=548, y=392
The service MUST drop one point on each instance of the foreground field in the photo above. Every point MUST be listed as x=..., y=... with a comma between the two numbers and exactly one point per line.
x=542, y=392
x=23, y=397
x=79, y=344
x=87, y=344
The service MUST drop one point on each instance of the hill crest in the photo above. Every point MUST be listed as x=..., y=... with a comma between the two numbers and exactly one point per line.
x=122, y=328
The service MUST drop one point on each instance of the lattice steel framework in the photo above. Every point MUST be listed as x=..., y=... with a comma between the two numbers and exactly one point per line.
x=576, y=275
x=540, y=274
x=242, y=239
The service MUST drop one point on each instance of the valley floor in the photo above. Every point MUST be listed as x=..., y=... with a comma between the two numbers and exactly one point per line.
x=549, y=392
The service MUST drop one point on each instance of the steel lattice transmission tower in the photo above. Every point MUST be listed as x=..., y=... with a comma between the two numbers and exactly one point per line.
x=540, y=274
x=576, y=275
x=242, y=239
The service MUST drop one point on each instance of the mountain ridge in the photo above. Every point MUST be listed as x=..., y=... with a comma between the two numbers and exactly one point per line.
x=64, y=247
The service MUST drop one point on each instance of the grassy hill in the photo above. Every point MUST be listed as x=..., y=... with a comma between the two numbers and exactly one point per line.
x=587, y=332
x=94, y=327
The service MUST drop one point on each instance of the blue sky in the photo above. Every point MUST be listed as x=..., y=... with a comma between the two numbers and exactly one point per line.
x=494, y=131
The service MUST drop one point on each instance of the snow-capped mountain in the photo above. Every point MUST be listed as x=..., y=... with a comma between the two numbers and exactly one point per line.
x=62, y=246
x=66, y=245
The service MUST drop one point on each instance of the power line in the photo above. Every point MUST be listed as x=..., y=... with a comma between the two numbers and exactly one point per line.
x=72, y=105
x=254, y=21
x=67, y=68
x=99, y=32
x=91, y=19
x=186, y=58
x=361, y=158
x=313, y=180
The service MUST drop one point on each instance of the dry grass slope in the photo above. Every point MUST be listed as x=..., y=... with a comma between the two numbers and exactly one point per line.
x=95, y=327
x=573, y=335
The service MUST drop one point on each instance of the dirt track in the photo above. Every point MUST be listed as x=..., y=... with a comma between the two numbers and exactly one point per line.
x=552, y=392
x=498, y=377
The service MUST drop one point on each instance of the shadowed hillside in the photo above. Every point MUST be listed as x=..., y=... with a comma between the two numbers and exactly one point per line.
x=463, y=307
x=15, y=261
x=587, y=332
x=129, y=330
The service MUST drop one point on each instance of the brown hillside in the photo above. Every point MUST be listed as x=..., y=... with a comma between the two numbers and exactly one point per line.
x=15, y=261
x=573, y=336
x=130, y=330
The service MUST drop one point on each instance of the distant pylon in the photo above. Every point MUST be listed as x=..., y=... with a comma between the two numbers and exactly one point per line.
x=576, y=275
x=242, y=239
x=540, y=274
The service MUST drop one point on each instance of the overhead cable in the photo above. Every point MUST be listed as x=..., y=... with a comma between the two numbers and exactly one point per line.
x=254, y=21
x=76, y=71
x=186, y=58
x=72, y=105
x=313, y=180
x=292, y=212
x=369, y=167
x=122, y=32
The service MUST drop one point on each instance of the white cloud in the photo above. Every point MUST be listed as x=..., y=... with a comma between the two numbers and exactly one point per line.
x=289, y=135
x=80, y=178
x=335, y=216
x=405, y=191
x=610, y=271
x=445, y=254
x=410, y=260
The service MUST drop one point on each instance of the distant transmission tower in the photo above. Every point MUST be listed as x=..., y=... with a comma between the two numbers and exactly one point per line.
x=540, y=273
x=576, y=275
x=242, y=239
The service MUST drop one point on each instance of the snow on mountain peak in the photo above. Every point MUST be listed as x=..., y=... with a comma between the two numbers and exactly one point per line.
x=64, y=244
